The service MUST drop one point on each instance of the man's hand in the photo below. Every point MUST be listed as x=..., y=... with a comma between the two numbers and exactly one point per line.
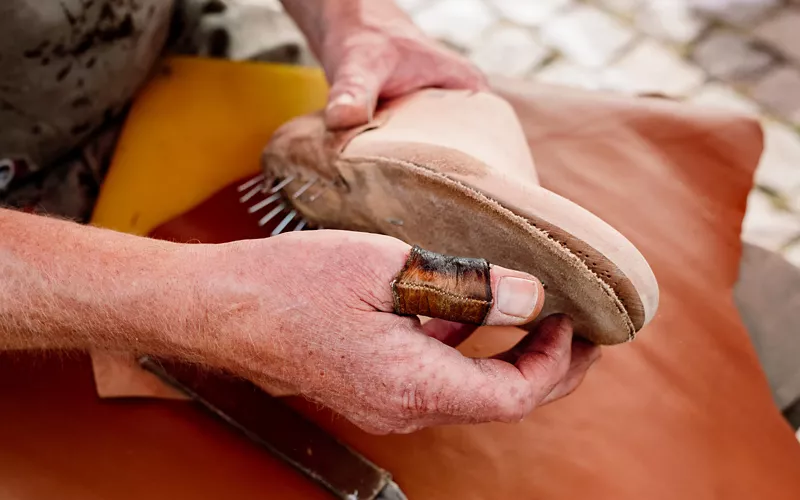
x=370, y=49
x=311, y=313
x=303, y=313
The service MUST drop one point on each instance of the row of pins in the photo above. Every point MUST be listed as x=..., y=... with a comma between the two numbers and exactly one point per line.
x=272, y=199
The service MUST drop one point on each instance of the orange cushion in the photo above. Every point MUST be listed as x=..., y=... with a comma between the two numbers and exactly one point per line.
x=684, y=411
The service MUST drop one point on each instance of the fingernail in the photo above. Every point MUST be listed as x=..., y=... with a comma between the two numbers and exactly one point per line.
x=345, y=99
x=517, y=296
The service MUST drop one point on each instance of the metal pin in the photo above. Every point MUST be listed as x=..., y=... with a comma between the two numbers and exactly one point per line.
x=304, y=188
x=300, y=225
x=246, y=197
x=282, y=184
x=252, y=182
x=285, y=222
x=318, y=193
x=263, y=203
x=275, y=211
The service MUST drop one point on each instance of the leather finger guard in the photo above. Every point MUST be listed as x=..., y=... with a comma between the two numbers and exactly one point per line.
x=440, y=286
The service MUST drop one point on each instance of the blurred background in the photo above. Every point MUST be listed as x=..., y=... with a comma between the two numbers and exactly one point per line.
x=742, y=55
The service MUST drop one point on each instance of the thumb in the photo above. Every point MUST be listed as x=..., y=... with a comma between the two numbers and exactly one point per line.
x=518, y=300
x=413, y=281
x=356, y=86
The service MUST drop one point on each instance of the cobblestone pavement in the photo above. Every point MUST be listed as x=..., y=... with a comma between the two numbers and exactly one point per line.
x=745, y=57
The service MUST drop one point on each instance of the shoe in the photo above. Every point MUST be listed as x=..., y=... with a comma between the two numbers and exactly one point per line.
x=451, y=171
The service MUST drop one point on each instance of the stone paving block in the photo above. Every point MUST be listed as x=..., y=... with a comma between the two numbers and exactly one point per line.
x=529, y=12
x=457, y=22
x=510, y=51
x=792, y=254
x=571, y=74
x=779, y=168
x=652, y=67
x=568, y=73
x=721, y=96
x=783, y=32
x=742, y=14
x=779, y=91
x=767, y=226
x=412, y=5
x=672, y=20
x=772, y=219
x=587, y=35
x=625, y=8
x=731, y=57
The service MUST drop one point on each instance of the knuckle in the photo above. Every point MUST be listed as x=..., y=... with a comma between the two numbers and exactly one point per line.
x=514, y=408
x=415, y=400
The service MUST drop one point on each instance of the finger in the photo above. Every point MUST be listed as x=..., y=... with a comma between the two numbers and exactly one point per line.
x=356, y=86
x=448, y=388
x=448, y=332
x=584, y=355
x=462, y=74
x=543, y=357
x=546, y=325
x=440, y=67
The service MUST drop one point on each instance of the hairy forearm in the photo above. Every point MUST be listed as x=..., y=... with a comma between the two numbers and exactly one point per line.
x=63, y=285
x=316, y=17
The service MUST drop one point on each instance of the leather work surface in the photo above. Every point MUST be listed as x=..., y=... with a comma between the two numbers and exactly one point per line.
x=684, y=411
x=286, y=434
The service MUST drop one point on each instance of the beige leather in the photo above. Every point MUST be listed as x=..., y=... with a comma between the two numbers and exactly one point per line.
x=450, y=171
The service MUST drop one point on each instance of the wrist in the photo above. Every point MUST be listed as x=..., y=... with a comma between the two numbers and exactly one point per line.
x=327, y=24
x=181, y=293
x=68, y=286
x=150, y=304
x=223, y=298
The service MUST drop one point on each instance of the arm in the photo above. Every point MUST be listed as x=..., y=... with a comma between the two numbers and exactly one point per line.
x=69, y=286
x=303, y=313
x=316, y=17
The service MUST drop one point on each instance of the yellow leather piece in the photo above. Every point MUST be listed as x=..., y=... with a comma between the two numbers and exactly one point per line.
x=198, y=125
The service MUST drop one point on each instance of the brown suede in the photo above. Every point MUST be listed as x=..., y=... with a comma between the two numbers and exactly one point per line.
x=450, y=171
x=441, y=286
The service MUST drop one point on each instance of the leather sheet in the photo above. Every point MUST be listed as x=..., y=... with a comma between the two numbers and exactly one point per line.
x=684, y=411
